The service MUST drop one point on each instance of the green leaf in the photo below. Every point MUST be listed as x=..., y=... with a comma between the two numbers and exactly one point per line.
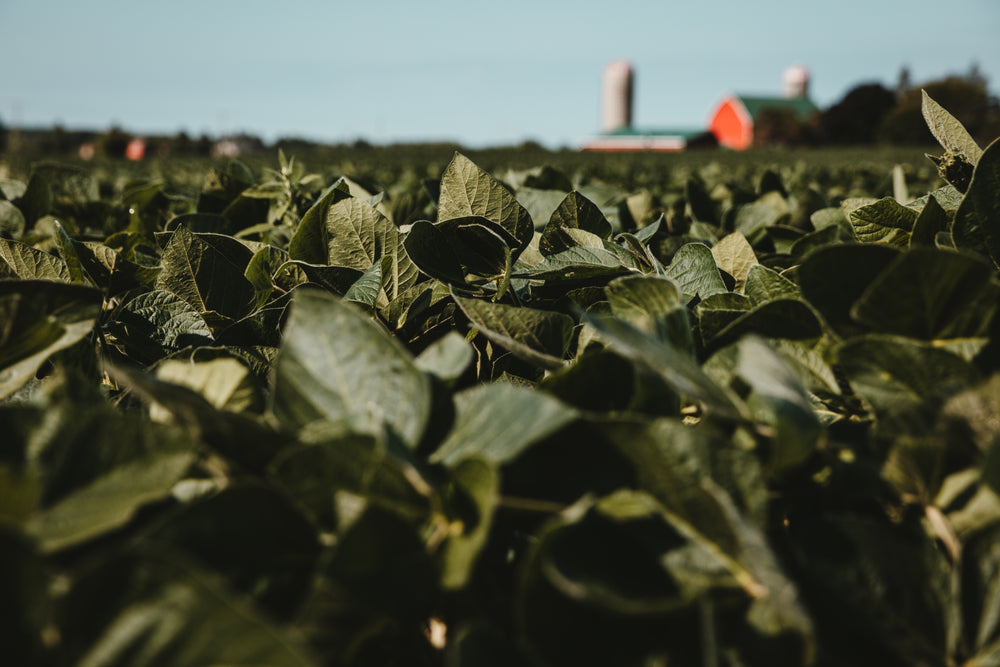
x=261, y=270
x=155, y=321
x=38, y=319
x=882, y=221
x=337, y=364
x=468, y=190
x=695, y=271
x=832, y=278
x=764, y=284
x=482, y=246
x=224, y=383
x=31, y=264
x=205, y=277
x=70, y=256
x=446, y=358
x=768, y=210
x=477, y=482
x=366, y=289
x=778, y=400
x=734, y=255
x=949, y=132
x=574, y=212
x=582, y=264
x=538, y=336
x=783, y=318
x=309, y=242
x=428, y=247
x=358, y=236
x=496, y=422
x=653, y=305
x=928, y=293
x=11, y=220
x=932, y=219
x=336, y=279
x=977, y=221
x=679, y=370
x=901, y=376
x=110, y=500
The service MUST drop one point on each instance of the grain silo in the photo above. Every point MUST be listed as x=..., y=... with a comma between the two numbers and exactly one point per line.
x=616, y=97
x=795, y=82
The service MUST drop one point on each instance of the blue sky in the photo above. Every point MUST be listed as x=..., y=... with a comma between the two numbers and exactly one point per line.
x=478, y=73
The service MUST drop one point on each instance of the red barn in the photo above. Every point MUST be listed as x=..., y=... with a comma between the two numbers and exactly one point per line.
x=732, y=121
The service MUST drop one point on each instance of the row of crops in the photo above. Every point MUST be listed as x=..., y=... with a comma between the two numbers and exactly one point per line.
x=750, y=416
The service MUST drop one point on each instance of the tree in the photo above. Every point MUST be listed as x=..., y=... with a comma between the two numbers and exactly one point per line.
x=966, y=98
x=857, y=117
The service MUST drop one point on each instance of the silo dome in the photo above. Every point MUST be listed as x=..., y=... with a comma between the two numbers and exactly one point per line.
x=795, y=82
x=616, y=96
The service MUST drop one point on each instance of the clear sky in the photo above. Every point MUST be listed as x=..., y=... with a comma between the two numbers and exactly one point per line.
x=479, y=73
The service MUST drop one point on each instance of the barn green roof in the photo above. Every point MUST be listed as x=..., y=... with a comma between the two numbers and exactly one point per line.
x=653, y=132
x=802, y=107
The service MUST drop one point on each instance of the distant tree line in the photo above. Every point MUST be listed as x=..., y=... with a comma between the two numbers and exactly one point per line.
x=871, y=113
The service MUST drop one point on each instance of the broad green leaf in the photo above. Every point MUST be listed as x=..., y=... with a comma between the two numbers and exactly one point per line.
x=478, y=483
x=156, y=320
x=335, y=364
x=734, y=255
x=70, y=256
x=446, y=358
x=429, y=249
x=653, y=305
x=679, y=370
x=261, y=270
x=834, y=277
x=358, y=237
x=575, y=212
x=901, y=376
x=949, y=132
x=778, y=400
x=309, y=243
x=336, y=279
x=764, y=284
x=366, y=289
x=110, y=500
x=496, y=422
x=695, y=272
x=538, y=336
x=882, y=221
x=38, y=319
x=928, y=293
x=27, y=263
x=719, y=311
x=225, y=382
x=582, y=264
x=206, y=278
x=483, y=247
x=977, y=221
x=11, y=220
x=932, y=219
x=781, y=318
x=468, y=190
x=754, y=218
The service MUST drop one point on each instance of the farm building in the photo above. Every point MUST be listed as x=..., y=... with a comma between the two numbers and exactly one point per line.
x=617, y=132
x=731, y=123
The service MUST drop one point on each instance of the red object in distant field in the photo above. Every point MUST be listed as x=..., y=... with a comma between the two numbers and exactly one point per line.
x=136, y=149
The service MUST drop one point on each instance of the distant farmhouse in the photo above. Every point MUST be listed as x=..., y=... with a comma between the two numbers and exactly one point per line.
x=730, y=125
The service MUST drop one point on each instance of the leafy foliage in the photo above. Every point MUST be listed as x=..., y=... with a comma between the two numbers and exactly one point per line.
x=544, y=421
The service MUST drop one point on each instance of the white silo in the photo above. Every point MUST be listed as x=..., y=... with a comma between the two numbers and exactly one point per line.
x=795, y=82
x=616, y=96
